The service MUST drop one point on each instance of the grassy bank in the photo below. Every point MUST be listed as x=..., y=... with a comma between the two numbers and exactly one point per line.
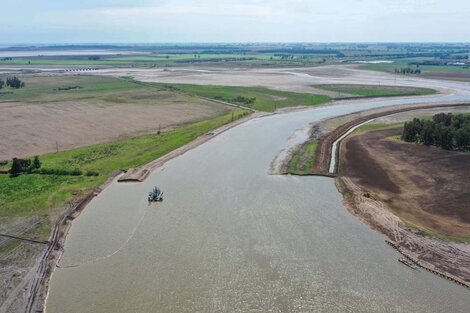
x=301, y=162
x=377, y=126
x=376, y=91
x=34, y=194
x=258, y=98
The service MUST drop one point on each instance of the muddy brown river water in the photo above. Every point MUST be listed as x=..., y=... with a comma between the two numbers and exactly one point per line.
x=230, y=238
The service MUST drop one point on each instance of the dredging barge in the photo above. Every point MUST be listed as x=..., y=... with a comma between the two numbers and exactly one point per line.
x=155, y=195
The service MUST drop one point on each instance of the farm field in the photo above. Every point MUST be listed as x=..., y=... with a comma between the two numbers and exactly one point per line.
x=426, y=187
x=74, y=110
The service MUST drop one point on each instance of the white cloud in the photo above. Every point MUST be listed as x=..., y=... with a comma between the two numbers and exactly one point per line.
x=241, y=20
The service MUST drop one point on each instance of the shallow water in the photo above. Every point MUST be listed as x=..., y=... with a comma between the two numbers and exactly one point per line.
x=231, y=238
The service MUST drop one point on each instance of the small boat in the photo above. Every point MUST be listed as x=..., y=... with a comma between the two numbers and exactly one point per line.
x=408, y=263
x=155, y=195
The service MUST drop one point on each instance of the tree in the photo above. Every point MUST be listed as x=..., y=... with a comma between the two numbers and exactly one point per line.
x=462, y=139
x=15, y=82
x=446, y=138
x=443, y=119
x=36, y=163
x=427, y=132
x=15, y=168
x=2, y=83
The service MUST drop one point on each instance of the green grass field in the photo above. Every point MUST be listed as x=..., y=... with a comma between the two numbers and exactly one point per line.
x=301, y=162
x=264, y=99
x=34, y=194
x=377, y=91
x=82, y=87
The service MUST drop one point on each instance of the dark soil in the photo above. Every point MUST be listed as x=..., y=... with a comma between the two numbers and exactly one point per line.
x=428, y=186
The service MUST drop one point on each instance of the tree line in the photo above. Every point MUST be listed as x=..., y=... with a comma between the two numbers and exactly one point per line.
x=13, y=82
x=447, y=131
x=407, y=70
x=28, y=166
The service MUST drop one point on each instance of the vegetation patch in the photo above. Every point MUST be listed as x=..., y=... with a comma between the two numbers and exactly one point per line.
x=12, y=82
x=376, y=90
x=377, y=126
x=301, y=162
x=68, y=88
x=258, y=98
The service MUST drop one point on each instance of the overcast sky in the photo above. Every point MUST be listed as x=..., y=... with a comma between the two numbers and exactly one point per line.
x=108, y=21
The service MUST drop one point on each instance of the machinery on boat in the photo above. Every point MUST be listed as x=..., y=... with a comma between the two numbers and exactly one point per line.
x=155, y=195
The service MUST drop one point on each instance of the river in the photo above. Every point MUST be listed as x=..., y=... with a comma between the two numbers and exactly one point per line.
x=229, y=237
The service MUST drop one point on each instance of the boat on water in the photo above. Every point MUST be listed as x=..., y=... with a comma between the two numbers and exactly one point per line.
x=408, y=263
x=155, y=195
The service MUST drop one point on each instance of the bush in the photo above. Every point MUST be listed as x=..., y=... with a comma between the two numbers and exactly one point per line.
x=243, y=100
x=61, y=172
x=91, y=173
